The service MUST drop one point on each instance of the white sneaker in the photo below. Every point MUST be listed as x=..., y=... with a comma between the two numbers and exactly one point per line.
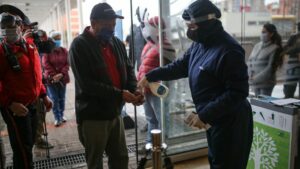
x=57, y=123
x=64, y=119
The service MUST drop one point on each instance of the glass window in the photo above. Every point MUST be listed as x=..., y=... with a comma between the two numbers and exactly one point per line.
x=251, y=23
x=74, y=18
x=63, y=22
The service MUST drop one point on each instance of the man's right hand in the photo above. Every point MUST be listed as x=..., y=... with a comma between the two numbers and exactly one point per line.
x=27, y=33
x=128, y=97
x=18, y=109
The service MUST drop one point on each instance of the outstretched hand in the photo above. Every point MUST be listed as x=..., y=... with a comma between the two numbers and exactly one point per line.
x=143, y=83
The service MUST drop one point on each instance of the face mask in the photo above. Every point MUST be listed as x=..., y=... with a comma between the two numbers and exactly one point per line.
x=196, y=35
x=264, y=37
x=57, y=43
x=12, y=35
x=105, y=34
x=150, y=33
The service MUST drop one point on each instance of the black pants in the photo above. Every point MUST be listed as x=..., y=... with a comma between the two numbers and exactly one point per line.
x=21, y=131
x=229, y=143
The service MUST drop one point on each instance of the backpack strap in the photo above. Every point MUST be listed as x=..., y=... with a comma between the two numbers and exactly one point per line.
x=11, y=58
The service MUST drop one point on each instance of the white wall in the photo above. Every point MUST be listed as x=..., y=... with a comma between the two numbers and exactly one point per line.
x=232, y=23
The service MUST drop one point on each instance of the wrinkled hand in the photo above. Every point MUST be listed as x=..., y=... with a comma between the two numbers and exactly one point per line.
x=143, y=83
x=18, y=109
x=128, y=97
x=48, y=103
x=57, y=77
x=140, y=99
x=193, y=120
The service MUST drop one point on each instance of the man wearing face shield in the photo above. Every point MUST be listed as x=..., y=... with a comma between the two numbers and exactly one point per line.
x=218, y=78
x=20, y=87
x=104, y=81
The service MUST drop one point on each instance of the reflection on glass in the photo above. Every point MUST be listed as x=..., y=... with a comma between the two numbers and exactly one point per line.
x=62, y=22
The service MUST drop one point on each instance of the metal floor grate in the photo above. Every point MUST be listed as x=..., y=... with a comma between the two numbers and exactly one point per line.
x=59, y=161
x=69, y=160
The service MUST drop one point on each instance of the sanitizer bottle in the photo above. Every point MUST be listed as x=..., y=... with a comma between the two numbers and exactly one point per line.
x=159, y=89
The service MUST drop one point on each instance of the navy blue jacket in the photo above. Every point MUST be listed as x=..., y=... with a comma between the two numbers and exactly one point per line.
x=217, y=74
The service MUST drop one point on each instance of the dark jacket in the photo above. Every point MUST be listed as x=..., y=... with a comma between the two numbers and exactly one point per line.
x=260, y=65
x=96, y=98
x=217, y=76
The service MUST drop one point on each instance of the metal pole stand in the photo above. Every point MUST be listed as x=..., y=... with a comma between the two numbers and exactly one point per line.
x=158, y=148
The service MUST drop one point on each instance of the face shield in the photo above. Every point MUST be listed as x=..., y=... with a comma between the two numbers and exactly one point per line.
x=198, y=27
x=190, y=19
x=11, y=27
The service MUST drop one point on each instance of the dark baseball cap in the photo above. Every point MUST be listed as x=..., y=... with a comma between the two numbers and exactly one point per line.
x=104, y=11
x=27, y=22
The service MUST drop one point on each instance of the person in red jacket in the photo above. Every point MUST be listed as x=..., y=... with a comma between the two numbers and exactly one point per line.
x=20, y=87
x=56, y=69
x=150, y=60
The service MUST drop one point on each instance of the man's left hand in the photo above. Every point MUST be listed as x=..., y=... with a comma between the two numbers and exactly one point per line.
x=140, y=99
x=48, y=103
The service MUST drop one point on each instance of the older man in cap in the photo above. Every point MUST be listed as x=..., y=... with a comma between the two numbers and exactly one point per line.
x=215, y=65
x=20, y=87
x=104, y=80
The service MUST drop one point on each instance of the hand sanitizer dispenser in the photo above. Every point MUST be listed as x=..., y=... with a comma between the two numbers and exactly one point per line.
x=159, y=89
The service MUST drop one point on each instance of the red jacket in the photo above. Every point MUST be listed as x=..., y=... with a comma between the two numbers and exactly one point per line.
x=150, y=57
x=56, y=62
x=24, y=86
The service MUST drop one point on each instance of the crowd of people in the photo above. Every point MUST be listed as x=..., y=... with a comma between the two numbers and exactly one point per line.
x=34, y=65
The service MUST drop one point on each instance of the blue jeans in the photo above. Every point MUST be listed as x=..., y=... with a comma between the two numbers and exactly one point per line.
x=57, y=93
x=152, y=111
